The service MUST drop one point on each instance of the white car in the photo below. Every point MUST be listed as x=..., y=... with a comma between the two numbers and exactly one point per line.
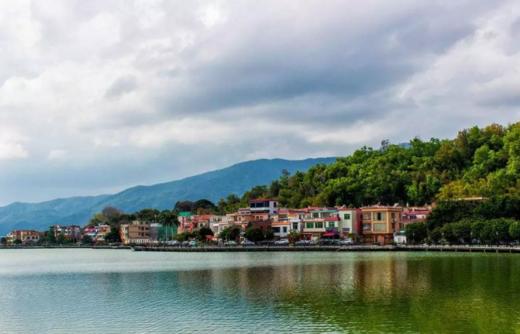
x=282, y=242
x=346, y=242
x=246, y=242
x=230, y=243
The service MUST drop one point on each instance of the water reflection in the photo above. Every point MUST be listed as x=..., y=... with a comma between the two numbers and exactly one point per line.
x=363, y=292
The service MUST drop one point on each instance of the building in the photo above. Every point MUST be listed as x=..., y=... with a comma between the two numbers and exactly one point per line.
x=349, y=222
x=97, y=232
x=24, y=237
x=321, y=222
x=70, y=233
x=265, y=205
x=135, y=233
x=287, y=221
x=184, y=219
x=379, y=223
x=189, y=223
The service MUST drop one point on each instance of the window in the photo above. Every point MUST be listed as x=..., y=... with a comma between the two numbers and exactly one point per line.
x=379, y=227
x=366, y=227
x=332, y=225
x=309, y=225
x=315, y=215
x=276, y=230
x=284, y=229
x=319, y=225
x=378, y=216
x=346, y=216
x=295, y=226
x=366, y=216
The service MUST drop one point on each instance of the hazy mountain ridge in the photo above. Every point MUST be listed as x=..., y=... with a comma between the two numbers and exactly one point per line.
x=212, y=185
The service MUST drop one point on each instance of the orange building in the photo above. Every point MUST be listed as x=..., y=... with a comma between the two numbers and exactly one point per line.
x=379, y=223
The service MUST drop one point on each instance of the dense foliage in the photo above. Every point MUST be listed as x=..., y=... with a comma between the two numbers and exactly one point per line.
x=478, y=162
x=114, y=217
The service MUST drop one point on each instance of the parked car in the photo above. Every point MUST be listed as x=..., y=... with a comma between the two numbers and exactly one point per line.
x=329, y=242
x=246, y=242
x=185, y=243
x=282, y=242
x=172, y=243
x=346, y=242
x=230, y=243
x=193, y=243
x=303, y=242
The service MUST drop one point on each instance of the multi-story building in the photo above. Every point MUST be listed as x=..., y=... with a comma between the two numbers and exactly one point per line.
x=286, y=221
x=379, y=223
x=349, y=222
x=190, y=223
x=23, y=236
x=135, y=233
x=265, y=205
x=321, y=222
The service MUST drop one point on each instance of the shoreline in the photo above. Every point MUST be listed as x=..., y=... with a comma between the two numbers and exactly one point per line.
x=391, y=248
x=354, y=248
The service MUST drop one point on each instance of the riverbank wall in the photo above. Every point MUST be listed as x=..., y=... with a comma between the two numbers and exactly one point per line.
x=359, y=248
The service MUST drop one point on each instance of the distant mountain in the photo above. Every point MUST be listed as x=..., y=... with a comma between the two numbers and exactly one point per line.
x=211, y=185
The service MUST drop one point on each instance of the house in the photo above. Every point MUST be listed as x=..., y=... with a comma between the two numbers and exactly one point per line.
x=71, y=232
x=379, y=223
x=349, y=222
x=320, y=222
x=286, y=221
x=184, y=219
x=97, y=232
x=23, y=236
x=189, y=223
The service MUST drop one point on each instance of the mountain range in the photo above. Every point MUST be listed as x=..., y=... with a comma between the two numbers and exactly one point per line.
x=212, y=185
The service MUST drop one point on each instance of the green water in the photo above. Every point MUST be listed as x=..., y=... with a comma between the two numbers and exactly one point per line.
x=119, y=291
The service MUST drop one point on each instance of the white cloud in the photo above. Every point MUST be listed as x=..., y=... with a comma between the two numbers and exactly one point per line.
x=89, y=89
x=12, y=146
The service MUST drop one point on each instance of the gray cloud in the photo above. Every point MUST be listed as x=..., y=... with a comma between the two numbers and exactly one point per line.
x=99, y=95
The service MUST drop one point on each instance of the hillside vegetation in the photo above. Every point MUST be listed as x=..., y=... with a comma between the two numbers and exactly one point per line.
x=478, y=162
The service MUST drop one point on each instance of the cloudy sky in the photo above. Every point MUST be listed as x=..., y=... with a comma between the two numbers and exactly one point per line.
x=96, y=96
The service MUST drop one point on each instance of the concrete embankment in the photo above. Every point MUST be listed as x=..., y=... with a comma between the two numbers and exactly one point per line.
x=392, y=248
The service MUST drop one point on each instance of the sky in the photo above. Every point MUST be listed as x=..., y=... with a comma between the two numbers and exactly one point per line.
x=96, y=96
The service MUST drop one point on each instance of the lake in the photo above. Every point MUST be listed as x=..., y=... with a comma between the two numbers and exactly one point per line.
x=114, y=291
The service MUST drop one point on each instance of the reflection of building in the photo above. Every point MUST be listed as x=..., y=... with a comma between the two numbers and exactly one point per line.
x=23, y=236
x=379, y=223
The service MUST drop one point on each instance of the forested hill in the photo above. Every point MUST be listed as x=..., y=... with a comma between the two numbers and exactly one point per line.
x=478, y=162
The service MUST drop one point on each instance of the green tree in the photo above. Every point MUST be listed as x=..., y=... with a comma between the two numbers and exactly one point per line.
x=254, y=234
x=113, y=236
x=415, y=233
x=87, y=240
x=514, y=231
x=203, y=233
